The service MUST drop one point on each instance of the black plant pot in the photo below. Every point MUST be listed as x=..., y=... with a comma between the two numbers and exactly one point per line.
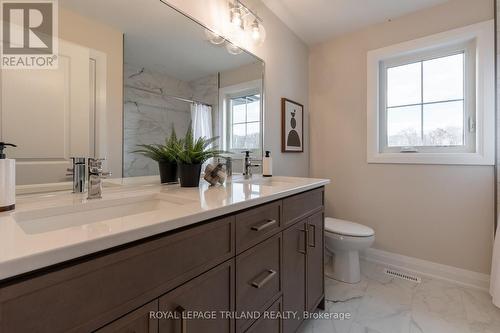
x=189, y=175
x=168, y=172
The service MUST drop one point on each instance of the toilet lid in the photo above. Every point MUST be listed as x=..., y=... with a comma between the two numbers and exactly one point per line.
x=347, y=228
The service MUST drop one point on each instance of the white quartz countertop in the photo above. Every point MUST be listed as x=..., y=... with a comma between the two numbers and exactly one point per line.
x=46, y=229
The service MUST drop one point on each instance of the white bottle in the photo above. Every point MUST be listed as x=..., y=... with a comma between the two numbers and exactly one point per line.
x=267, y=165
x=7, y=180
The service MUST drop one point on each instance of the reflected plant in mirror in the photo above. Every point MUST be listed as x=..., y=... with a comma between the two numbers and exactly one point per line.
x=165, y=155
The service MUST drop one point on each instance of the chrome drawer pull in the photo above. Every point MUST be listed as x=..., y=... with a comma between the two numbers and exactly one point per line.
x=270, y=275
x=180, y=310
x=264, y=225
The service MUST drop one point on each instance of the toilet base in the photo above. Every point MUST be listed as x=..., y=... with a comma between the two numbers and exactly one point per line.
x=345, y=267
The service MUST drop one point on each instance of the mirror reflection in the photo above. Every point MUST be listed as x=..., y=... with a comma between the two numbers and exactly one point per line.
x=128, y=75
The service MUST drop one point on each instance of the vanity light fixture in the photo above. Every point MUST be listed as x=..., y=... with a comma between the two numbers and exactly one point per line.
x=245, y=25
x=246, y=20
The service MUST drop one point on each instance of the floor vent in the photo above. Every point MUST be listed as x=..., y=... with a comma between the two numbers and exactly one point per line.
x=401, y=275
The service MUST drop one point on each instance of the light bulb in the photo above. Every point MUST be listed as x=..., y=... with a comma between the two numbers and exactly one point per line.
x=255, y=31
x=233, y=49
x=236, y=18
x=214, y=38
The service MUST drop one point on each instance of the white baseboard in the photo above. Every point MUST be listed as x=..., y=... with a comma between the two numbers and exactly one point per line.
x=427, y=268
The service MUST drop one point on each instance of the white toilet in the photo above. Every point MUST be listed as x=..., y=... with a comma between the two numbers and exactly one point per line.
x=344, y=240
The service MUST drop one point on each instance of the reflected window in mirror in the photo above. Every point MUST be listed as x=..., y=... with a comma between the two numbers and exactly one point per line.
x=242, y=122
x=244, y=131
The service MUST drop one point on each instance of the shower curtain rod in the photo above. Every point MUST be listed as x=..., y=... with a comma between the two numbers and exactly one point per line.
x=165, y=95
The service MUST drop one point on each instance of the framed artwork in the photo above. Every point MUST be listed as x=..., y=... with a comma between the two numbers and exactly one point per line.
x=292, y=126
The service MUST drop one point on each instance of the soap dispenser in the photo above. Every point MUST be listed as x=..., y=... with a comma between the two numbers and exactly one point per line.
x=7, y=180
x=267, y=165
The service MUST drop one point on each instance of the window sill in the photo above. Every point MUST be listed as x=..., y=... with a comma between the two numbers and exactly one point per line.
x=432, y=158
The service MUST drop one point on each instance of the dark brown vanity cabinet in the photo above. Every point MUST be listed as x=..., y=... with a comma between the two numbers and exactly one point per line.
x=258, y=276
x=202, y=304
x=268, y=257
x=269, y=323
x=138, y=321
x=303, y=284
x=314, y=261
x=294, y=273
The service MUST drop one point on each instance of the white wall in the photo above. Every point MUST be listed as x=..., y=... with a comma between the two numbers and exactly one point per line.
x=286, y=74
x=95, y=35
x=434, y=212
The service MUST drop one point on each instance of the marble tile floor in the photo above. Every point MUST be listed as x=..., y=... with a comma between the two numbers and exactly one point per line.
x=382, y=304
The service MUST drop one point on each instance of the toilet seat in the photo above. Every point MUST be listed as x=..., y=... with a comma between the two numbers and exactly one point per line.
x=347, y=228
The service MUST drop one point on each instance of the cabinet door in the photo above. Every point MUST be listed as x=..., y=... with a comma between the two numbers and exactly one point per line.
x=205, y=298
x=315, y=253
x=138, y=321
x=294, y=273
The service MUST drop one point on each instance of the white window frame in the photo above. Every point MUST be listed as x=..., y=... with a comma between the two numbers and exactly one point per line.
x=226, y=93
x=468, y=49
x=478, y=41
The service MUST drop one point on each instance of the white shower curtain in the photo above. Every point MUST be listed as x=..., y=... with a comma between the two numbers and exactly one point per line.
x=201, y=117
x=495, y=271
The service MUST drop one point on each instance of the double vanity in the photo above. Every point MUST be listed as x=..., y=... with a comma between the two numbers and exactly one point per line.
x=146, y=257
x=151, y=258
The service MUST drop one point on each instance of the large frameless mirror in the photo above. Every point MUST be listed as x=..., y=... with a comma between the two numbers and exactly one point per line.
x=129, y=72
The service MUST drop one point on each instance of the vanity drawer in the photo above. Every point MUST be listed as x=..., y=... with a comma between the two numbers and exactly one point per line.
x=87, y=295
x=210, y=294
x=258, y=273
x=267, y=323
x=301, y=205
x=257, y=224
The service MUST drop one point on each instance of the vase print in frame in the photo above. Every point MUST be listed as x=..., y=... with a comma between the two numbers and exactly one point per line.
x=292, y=126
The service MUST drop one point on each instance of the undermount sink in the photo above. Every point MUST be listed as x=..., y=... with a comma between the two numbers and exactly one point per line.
x=55, y=218
x=270, y=181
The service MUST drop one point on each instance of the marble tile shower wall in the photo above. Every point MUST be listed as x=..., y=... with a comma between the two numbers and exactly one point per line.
x=148, y=118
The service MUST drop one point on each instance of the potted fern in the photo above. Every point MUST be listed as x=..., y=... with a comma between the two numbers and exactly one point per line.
x=191, y=154
x=165, y=155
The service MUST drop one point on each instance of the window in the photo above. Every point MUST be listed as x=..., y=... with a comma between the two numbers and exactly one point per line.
x=244, y=118
x=430, y=97
x=427, y=101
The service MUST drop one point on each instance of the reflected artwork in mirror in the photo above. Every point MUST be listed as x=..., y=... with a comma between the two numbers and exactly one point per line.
x=128, y=74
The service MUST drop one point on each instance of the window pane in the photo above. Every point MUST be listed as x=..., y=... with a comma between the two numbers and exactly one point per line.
x=404, y=126
x=238, y=136
x=253, y=109
x=444, y=78
x=239, y=110
x=252, y=140
x=404, y=85
x=444, y=124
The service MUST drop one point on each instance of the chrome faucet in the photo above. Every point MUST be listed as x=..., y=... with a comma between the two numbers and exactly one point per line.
x=248, y=165
x=95, y=177
x=228, y=164
x=78, y=173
